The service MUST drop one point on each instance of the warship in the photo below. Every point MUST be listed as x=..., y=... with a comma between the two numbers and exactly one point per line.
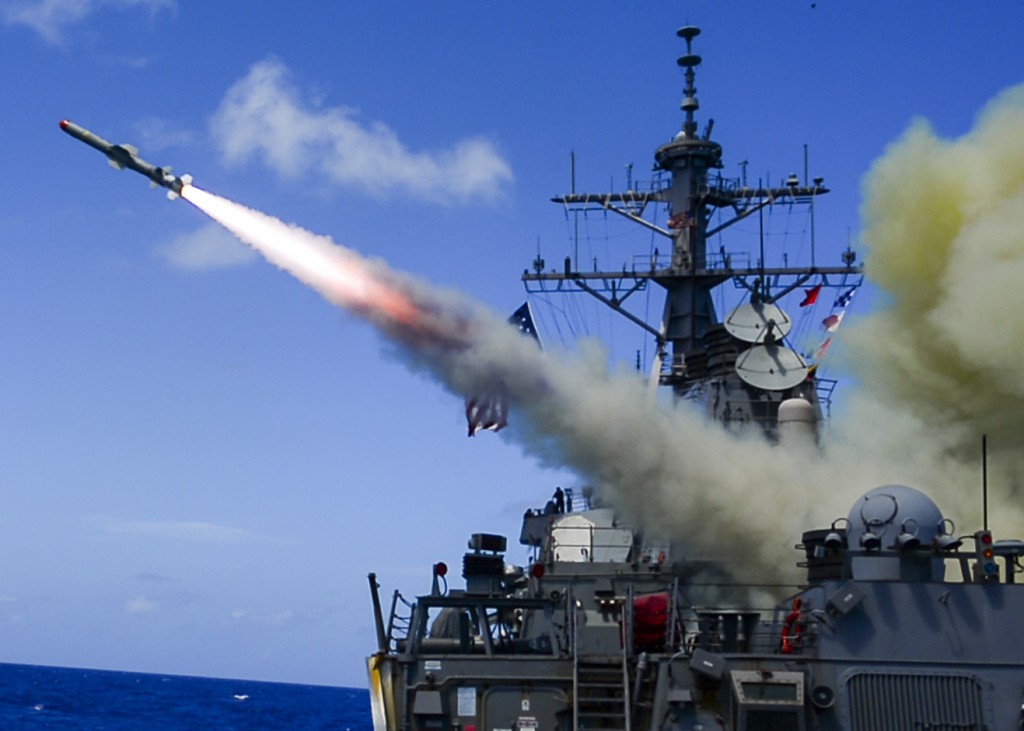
x=898, y=623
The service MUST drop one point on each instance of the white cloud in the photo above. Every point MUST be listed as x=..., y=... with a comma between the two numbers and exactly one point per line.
x=209, y=247
x=49, y=18
x=264, y=116
x=178, y=530
x=141, y=605
x=269, y=619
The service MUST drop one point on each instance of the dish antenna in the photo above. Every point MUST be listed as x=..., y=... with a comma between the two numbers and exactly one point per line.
x=758, y=322
x=771, y=367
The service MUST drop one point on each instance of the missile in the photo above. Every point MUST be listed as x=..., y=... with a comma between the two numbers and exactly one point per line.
x=126, y=156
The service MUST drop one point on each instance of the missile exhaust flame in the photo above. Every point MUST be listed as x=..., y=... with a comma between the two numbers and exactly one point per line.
x=339, y=274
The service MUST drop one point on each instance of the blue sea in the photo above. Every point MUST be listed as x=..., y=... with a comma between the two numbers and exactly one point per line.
x=37, y=697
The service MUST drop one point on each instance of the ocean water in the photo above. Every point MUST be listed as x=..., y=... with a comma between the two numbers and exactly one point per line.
x=37, y=697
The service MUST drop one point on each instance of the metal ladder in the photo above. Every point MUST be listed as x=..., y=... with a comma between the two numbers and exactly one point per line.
x=601, y=701
x=601, y=687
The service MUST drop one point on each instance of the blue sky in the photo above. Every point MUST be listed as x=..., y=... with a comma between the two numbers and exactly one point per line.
x=202, y=459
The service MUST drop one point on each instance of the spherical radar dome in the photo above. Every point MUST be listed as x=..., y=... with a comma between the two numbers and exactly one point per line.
x=894, y=515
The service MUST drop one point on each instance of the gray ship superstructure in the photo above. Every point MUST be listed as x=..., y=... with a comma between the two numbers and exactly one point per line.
x=900, y=622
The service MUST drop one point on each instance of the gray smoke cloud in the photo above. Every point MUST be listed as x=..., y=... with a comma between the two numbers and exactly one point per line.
x=669, y=469
x=942, y=220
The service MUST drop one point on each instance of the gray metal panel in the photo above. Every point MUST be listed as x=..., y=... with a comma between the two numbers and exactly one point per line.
x=707, y=663
x=428, y=703
x=900, y=702
x=849, y=596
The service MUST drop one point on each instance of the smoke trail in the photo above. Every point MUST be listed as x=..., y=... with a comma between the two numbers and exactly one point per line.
x=652, y=463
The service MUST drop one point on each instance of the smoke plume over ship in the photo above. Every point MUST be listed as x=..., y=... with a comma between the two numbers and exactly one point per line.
x=937, y=361
x=570, y=411
x=940, y=356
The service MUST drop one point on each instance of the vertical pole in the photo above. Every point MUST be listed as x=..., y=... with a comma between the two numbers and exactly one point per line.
x=763, y=287
x=378, y=617
x=626, y=613
x=670, y=644
x=812, y=230
x=812, y=204
x=575, y=213
x=984, y=481
x=570, y=610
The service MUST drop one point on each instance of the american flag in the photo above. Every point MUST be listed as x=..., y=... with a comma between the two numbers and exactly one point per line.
x=523, y=320
x=490, y=411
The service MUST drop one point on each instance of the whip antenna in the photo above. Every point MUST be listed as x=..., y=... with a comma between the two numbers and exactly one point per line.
x=984, y=480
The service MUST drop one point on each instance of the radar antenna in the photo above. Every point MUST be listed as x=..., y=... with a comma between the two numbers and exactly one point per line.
x=689, y=60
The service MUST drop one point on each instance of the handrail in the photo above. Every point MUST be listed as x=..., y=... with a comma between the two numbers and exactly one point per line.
x=673, y=618
x=392, y=615
x=627, y=652
x=571, y=608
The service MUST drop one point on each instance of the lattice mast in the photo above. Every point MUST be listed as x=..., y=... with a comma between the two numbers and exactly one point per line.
x=693, y=194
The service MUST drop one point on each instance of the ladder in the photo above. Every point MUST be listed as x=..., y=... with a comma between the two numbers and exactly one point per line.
x=600, y=684
x=601, y=701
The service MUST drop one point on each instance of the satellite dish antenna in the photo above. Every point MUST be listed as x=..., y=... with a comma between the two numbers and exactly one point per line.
x=752, y=322
x=771, y=367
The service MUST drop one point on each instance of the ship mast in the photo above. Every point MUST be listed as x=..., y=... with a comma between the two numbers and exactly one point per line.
x=688, y=307
x=695, y=356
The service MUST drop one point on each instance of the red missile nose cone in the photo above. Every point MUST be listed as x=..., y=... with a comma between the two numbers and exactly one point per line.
x=63, y=124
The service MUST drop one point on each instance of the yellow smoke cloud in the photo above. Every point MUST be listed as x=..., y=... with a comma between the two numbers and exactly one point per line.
x=944, y=227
